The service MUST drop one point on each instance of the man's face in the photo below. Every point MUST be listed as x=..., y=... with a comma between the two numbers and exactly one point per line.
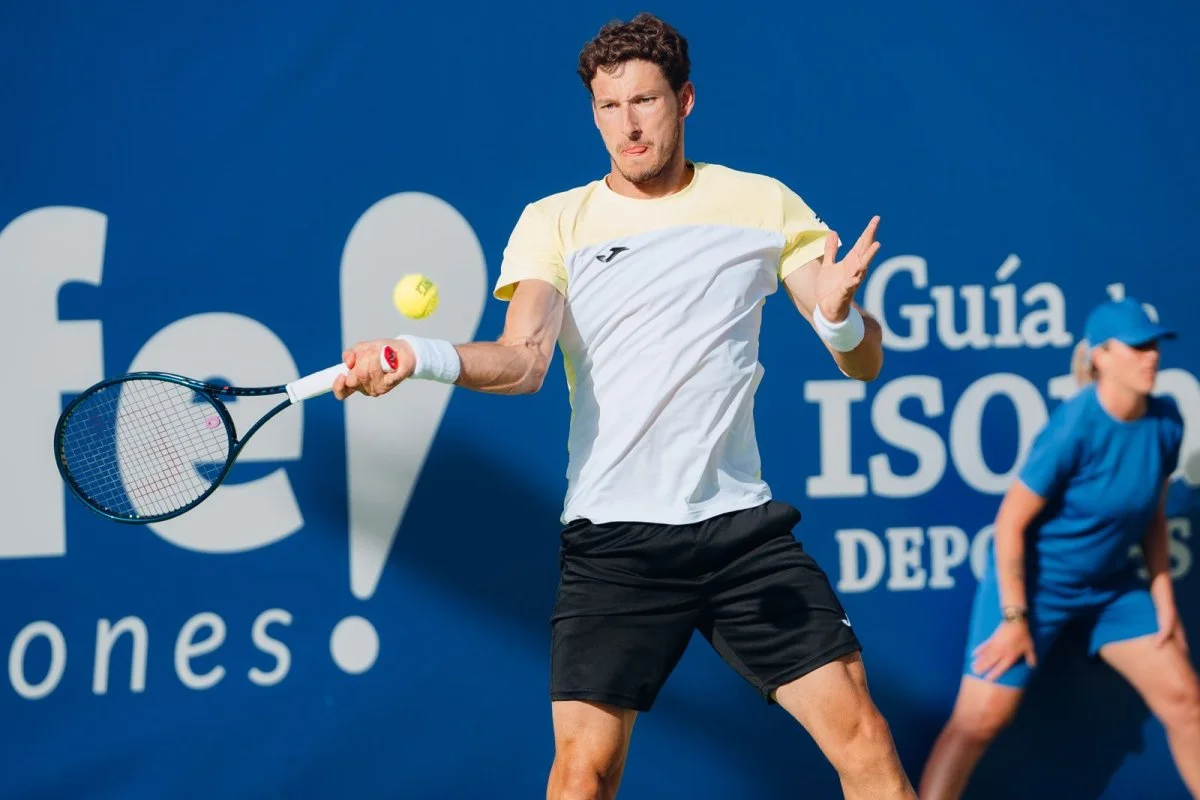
x=640, y=118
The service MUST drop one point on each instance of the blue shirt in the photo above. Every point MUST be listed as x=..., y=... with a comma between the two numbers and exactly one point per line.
x=1102, y=479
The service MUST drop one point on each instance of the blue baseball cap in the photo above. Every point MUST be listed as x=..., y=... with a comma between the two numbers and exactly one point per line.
x=1126, y=321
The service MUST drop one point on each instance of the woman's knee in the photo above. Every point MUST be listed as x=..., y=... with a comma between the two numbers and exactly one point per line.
x=982, y=720
x=1179, y=704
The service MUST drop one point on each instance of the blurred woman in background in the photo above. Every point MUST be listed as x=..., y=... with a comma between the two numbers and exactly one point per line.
x=1093, y=486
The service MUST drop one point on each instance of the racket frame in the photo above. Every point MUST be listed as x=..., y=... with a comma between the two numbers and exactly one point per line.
x=299, y=390
x=212, y=393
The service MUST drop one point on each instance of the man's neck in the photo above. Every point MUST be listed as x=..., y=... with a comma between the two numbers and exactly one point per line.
x=674, y=178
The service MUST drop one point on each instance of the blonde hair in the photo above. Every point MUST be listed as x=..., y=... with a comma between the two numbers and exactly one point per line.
x=1082, y=367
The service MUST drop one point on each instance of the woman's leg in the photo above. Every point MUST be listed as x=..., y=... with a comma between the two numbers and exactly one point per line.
x=981, y=711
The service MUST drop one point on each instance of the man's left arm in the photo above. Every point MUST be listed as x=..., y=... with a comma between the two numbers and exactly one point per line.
x=823, y=291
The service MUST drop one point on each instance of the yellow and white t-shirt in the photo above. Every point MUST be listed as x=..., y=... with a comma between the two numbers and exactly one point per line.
x=664, y=303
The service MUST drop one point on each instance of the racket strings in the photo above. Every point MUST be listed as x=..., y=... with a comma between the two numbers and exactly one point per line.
x=135, y=448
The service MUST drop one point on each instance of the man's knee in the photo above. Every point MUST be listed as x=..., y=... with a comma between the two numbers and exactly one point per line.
x=863, y=740
x=590, y=740
x=574, y=780
x=582, y=773
x=834, y=704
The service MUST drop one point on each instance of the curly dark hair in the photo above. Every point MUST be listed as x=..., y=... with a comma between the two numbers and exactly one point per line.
x=645, y=38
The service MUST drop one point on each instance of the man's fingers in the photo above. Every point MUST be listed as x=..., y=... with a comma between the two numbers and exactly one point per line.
x=866, y=256
x=364, y=372
x=831, y=248
x=868, y=235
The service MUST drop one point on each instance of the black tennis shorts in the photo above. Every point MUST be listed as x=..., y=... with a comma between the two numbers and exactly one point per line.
x=631, y=594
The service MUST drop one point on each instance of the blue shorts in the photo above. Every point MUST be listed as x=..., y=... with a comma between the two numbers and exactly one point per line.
x=1124, y=614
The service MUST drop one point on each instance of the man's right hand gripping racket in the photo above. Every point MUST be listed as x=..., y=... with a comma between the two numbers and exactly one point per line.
x=149, y=446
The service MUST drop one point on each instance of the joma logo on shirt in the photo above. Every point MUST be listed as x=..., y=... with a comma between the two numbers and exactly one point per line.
x=612, y=253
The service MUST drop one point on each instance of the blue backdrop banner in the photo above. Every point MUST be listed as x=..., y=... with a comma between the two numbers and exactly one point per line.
x=231, y=191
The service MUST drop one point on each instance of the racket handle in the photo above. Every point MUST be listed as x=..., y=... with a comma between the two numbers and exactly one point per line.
x=318, y=383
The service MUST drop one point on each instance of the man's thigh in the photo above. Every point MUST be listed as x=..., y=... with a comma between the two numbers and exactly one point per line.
x=623, y=617
x=773, y=614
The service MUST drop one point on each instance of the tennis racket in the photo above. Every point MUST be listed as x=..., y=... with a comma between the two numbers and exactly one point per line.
x=148, y=446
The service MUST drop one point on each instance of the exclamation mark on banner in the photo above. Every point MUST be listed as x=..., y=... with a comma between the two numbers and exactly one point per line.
x=388, y=438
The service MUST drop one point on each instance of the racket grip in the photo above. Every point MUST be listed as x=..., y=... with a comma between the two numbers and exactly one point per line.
x=318, y=383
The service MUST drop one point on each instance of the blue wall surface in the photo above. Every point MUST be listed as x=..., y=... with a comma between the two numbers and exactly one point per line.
x=230, y=190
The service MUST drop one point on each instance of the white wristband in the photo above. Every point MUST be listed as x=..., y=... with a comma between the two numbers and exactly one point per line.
x=436, y=359
x=842, y=336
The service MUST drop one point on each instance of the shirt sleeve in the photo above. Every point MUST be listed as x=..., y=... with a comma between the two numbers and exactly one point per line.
x=1052, y=458
x=803, y=233
x=533, y=251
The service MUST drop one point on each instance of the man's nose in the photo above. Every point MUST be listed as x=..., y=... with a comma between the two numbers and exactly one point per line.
x=633, y=126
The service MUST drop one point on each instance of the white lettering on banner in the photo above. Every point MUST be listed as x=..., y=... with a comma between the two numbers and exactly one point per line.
x=905, y=547
x=980, y=550
x=835, y=401
x=1044, y=323
x=202, y=634
x=1183, y=387
x=271, y=646
x=243, y=352
x=40, y=251
x=948, y=547
x=107, y=635
x=929, y=558
x=1179, y=553
x=405, y=232
x=16, y=660
x=857, y=576
x=966, y=428
x=186, y=648
x=44, y=249
x=906, y=435
x=833, y=398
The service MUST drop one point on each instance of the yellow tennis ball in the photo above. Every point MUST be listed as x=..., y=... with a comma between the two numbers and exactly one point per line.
x=415, y=296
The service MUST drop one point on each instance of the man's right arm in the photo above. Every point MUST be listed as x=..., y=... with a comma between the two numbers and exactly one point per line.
x=533, y=279
x=514, y=364
x=517, y=362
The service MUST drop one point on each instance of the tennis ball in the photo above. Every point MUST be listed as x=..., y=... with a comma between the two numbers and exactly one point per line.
x=415, y=296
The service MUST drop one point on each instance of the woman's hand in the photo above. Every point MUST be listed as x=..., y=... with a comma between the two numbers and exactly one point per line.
x=1011, y=642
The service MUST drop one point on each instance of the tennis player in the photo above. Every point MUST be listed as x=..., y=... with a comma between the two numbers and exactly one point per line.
x=652, y=281
x=1093, y=486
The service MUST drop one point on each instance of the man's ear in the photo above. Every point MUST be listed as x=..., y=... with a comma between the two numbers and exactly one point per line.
x=686, y=98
